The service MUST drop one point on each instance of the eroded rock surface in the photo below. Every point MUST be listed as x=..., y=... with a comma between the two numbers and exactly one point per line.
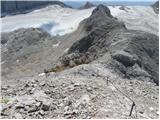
x=81, y=92
x=95, y=72
x=124, y=48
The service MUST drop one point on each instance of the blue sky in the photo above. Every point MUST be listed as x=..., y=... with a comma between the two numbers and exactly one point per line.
x=110, y=0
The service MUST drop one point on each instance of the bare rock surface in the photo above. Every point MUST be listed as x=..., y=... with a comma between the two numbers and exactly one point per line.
x=98, y=71
x=87, y=5
x=124, y=48
x=81, y=92
x=156, y=7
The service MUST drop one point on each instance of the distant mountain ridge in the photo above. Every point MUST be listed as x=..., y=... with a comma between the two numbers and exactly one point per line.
x=18, y=7
x=87, y=5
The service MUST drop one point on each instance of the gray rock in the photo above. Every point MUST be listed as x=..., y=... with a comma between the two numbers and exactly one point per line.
x=32, y=109
x=40, y=96
x=18, y=116
x=26, y=100
x=87, y=5
x=46, y=105
x=19, y=106
x=125, y=58
x=155, y=7
x=41, y=112
x=42, y=83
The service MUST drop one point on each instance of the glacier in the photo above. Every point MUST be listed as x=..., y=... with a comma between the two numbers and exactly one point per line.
x=59, y=21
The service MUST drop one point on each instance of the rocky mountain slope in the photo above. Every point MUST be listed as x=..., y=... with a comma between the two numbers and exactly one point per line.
x=19, y=7
x=81, y=92
x=124, y=49
x=101, y=70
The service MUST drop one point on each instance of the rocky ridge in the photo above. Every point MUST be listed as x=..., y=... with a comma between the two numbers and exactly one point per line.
x=125, y=49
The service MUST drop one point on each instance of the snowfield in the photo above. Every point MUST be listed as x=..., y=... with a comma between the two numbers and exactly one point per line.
x=137, y=17
x=59, y=21
x=53, y=19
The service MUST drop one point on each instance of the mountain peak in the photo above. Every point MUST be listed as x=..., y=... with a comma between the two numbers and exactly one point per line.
x=87, y=5
x=101, y=9
x=155, y=7
x=101, y=18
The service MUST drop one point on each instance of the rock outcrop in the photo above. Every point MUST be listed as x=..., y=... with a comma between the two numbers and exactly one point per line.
x=87, y=5
x=127, y=51
x=155, y=7
x=18, y=7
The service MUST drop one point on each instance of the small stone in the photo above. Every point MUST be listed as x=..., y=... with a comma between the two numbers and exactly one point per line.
x=46, y=105
x=151, y=108
x=26, y=108
x=26, y=85
x=66, y=108
x=3, y=107
x=18, y=116
x=4, y=88
x=32, y=90
x=157, y=112
x=141, y=112
x=48, y=91
x=42, y=83
x=71, y=88
x=41, y=74
x=89, y=89
x=36, y=113
x=32, y=109
x=19, y=106
x=76, y=84
x=40, y=96
x=38, y=104
x=69, y=114
x=41, y=112
x=68, y=103
x=64, y=85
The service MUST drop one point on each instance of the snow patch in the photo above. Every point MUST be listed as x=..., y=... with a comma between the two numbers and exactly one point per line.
x=53, y=19
x=137, y=18
x=41, y=74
